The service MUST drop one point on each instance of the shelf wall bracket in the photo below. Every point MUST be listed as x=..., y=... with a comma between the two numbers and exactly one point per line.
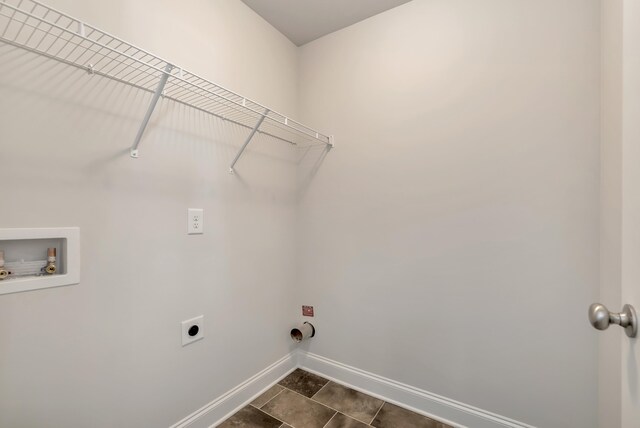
x=156, y=96
x=248, y=140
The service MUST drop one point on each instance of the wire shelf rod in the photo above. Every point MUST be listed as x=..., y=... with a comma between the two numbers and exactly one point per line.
x=31, y=25
x=152, y=106
x=248, y=140
x=151, y=91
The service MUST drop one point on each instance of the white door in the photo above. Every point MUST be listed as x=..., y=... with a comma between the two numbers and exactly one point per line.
x=630, y=367
x=619, y=356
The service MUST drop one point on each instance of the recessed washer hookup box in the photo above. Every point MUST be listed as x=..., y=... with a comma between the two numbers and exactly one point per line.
x=36, y=258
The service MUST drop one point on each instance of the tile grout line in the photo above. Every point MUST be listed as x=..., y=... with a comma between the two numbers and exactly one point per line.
x=282, y=423
x=318, y=391
x=334, y=415
x=355, y=419
x=260, y=408
x=317, y=402
x=383, y=402
x=374, y=416
x=329, y=407
x=304, y=396
x=336, y=412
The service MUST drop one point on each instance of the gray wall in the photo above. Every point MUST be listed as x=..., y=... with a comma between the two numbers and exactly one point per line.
x=451, y=240
x=455, y=227
x=107, y=352
x=609, y=355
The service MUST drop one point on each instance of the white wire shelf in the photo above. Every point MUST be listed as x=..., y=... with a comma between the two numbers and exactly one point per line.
x=33, y=26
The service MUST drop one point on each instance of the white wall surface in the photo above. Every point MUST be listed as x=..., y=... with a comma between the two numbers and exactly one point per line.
x=107, y=352
x=451, y=240
x=610, y=346
x=455, y=228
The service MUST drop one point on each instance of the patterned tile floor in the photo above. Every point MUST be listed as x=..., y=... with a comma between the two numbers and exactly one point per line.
x=304, y=400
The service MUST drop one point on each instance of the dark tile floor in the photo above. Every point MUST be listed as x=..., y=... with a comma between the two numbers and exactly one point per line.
x=305, y=400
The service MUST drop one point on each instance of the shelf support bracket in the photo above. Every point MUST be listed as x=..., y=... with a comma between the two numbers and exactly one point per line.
x=156, y=96
x=248, y=140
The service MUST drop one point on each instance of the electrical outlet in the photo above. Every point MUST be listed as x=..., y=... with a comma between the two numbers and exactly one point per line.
x=195, y=221
x=192, y=330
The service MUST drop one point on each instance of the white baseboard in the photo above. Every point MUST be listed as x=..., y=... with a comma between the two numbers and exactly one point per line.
x=426, y=403
x=230, y=402
x=432, y=405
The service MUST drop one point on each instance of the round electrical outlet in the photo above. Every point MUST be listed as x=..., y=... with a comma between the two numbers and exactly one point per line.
x=192, y=330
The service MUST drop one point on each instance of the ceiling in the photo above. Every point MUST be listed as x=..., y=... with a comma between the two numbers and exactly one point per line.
x=305, y=20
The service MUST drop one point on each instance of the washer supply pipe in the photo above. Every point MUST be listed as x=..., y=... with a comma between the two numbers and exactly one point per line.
x=3, y=272
x=50, y=268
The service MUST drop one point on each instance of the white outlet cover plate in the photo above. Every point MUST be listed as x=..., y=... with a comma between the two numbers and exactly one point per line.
x=186, y=325
x=195, y=221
